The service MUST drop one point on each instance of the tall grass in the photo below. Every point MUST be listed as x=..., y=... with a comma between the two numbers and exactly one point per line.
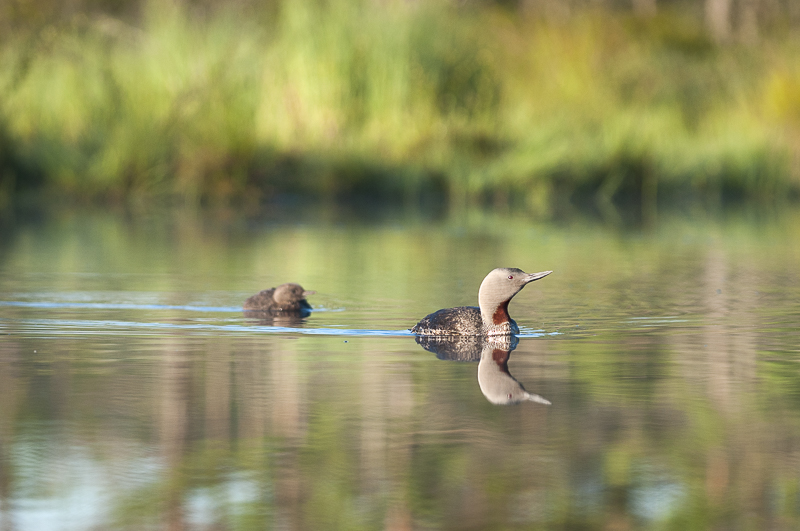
x=396, y=100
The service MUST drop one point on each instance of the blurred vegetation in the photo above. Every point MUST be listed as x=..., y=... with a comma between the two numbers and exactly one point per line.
x=493, y=103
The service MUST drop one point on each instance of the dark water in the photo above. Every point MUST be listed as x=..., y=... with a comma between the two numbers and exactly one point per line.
x=134, y=394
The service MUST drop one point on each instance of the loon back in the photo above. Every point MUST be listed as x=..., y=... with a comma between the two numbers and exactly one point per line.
x=464, y=320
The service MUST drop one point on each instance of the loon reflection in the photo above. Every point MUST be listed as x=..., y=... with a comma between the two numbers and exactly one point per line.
x=492, y=354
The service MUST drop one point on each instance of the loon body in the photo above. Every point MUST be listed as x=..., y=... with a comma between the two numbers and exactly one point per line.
x=285, y=298
x=491, y=317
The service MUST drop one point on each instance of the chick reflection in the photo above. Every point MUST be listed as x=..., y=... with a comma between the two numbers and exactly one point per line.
x=286, y=319
x=492, y=354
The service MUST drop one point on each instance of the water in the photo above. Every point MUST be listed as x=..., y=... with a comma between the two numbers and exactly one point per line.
x=134, y=394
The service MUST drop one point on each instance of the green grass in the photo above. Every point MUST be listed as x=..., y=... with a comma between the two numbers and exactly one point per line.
x=397, y=101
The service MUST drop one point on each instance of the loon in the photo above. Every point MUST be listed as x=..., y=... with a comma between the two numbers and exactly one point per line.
x=492, y=318
x=285, y=298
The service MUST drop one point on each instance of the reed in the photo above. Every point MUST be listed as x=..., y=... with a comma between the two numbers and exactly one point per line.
x=396, y=100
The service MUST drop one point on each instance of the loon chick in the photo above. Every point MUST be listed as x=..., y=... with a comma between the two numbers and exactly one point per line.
x=492, y=318
x=288, y=297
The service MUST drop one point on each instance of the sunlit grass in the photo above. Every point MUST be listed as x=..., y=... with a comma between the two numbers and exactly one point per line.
x=396, y=100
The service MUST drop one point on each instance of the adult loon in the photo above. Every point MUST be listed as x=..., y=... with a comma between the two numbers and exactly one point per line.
x=491, y=318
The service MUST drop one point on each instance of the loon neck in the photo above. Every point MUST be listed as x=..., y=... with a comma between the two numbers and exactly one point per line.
x=499, y=315
x=500, y=357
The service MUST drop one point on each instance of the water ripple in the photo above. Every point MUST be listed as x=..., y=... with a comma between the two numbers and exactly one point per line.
x=117, y=306
x=73, y=327
x=110, y=327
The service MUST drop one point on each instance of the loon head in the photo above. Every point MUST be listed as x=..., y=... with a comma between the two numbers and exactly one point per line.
x=290, y=293
x=498, y=288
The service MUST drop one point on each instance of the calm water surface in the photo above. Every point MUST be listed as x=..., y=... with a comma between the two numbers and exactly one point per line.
x=134, y=394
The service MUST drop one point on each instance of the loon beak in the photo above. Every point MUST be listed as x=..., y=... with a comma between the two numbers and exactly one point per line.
x=537, y=276
x=306, y=293
x=537, y=398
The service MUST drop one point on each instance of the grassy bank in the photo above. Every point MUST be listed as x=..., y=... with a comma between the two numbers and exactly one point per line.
x=397, y=101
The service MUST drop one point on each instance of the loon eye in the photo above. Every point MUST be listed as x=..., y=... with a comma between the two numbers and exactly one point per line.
x=510, y=277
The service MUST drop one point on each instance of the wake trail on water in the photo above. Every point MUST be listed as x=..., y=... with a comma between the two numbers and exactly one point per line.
x=73, y=327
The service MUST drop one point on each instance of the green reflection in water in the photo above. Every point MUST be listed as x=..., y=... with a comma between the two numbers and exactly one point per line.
x=670, y=364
